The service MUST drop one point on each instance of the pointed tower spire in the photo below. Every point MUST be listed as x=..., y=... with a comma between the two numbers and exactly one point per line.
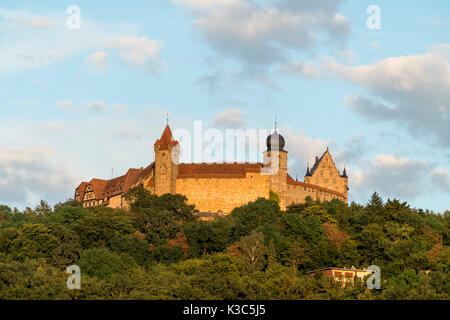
x=276, y=122
x=166, y=139
x=308, y=173
x=167, y=119
x=344, y=173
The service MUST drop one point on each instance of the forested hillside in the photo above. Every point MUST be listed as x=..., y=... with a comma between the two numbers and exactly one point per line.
x=159, y=250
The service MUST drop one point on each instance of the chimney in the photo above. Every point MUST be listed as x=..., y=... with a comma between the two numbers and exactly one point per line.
x=317, y=159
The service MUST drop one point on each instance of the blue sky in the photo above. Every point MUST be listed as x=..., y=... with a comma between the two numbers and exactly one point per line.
x=75, y=104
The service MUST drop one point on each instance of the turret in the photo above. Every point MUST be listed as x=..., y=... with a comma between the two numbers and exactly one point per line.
x=275, y=165
x=166, y=163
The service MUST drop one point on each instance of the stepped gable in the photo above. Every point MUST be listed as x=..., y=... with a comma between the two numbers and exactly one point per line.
x=217, y=170
x=291, y=181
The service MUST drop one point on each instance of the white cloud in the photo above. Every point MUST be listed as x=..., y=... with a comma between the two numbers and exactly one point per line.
x=30, y=42
x=66, y=104
x=348, y=56
x=96, y=106
x=353, y=150
x=22, y=19
x=98, y=60
x=230, y=118
x=441, y=180
x=207, y=4
x=303, y=147
x=23, y=102
x=130, y=133
x=49, y=127
x=23, y=48
x=121, y=107
x=304, y=69
x=93, y=106
x=28, y=174
x=140, y=52
x=262, y=35
x=410, y=90
x=40, y=23
x=390, y=176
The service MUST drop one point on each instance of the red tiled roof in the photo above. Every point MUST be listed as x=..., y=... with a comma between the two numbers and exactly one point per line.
x=146, y=171
x=98, y=186
x=108, y=188
x=166, y=139
x=80, y=190
x=151, y=182
x=312, y=186
x=121, y=184
x=217, y=170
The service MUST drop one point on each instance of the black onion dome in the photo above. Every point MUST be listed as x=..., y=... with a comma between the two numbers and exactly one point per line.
x=275, y=142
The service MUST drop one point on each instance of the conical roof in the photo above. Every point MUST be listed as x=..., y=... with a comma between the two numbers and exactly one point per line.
x=166, y=139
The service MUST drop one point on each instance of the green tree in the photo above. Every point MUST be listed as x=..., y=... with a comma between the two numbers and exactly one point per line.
x=254, y=214
x=43, y=208
x=68, y=248
x=202, y=239
x=102, y=263
x=253, y=250
x=96, y=230
x=33, y=241
x=68, y=215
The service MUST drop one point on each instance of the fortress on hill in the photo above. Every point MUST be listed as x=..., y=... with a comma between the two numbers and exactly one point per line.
x=220, y=187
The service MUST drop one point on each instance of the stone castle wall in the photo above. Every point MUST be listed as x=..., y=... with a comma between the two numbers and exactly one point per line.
x=297, y=194
x=223, y=194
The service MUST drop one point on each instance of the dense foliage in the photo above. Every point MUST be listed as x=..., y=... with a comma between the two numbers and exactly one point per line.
x=158, y=249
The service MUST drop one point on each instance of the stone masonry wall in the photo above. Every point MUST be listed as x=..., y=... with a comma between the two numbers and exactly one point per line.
x=326, y=175
x=297, y=194
x=223, y=194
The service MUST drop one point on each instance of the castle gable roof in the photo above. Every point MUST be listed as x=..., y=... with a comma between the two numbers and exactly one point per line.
x=217, y=170
x=317, y=163
x=166, y=139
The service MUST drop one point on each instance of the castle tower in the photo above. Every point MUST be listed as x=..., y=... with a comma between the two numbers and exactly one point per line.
x=166, y=163
x=275, y=165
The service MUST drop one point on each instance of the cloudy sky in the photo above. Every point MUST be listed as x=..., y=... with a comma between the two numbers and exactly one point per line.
x=90, y=102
